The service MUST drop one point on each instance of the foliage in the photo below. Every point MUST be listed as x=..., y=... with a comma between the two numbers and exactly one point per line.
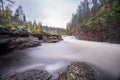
x=97, y=15
x=4, y=3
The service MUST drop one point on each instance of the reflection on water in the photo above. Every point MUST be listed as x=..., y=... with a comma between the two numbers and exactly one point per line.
x=54, y=56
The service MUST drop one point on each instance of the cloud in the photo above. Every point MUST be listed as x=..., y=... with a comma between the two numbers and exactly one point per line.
x=50, y=12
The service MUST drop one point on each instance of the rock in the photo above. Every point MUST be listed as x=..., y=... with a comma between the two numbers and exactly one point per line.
x=13, y=33
x=77, y=71
x=39, y=36
x=74, y=71
x=20, y=39
x=49, y=38
x=112, y=36
x=33, y=74
x=16, y=43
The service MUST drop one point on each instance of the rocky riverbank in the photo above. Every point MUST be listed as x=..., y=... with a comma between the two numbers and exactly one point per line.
x=74, y=71
x=14, y=39
x=16, y=43
x=112, y=36
x=33, y=74
x=49, y=38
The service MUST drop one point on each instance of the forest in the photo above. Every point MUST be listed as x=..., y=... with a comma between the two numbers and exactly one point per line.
x=96, y=20
x=16, y=21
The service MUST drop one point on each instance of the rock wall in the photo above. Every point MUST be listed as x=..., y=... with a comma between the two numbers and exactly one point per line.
x=112, y=36
x=48, y=38
x=16, y=43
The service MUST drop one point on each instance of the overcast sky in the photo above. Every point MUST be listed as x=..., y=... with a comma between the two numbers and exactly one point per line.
x=49, y=12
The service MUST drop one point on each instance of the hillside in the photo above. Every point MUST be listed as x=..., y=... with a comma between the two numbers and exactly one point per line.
x=96, y=20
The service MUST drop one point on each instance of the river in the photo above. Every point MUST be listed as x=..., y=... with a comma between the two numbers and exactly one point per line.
x=103, y=57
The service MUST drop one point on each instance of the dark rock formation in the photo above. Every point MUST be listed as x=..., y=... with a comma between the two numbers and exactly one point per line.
x=49, y=38
x=77, y=71
x=33, y=74
x=15, y=39
x=15, y=43
x=39, y=36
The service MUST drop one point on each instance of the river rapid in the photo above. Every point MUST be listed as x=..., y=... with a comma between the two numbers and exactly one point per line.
x=103, y=57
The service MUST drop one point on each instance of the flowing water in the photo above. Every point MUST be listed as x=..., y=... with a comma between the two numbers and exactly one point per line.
x=103, y=57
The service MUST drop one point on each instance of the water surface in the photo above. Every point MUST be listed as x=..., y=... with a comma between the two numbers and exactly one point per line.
x=103, y=57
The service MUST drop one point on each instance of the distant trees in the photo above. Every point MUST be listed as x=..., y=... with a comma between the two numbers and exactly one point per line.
x=94, y=13
x=19, y=14
x=38, y=28
x=1, y=12
x=35, y=26
x=82, y=14
x=53, y=30
x=5, y=8
x=4, y=3
x=8, y=12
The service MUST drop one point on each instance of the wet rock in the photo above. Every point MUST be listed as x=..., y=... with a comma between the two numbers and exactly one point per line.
x=77, y=71
x=16, y=43
x=74, y=71
x=33, y=74
x=48, y=38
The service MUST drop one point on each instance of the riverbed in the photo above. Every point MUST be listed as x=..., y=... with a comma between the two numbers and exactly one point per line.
x=53, y=57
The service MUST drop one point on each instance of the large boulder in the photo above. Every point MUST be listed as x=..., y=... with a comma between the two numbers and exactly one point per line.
x=77, y=71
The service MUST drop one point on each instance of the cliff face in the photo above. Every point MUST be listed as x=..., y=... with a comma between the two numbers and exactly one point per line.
x=101, y=22
x=101, y=36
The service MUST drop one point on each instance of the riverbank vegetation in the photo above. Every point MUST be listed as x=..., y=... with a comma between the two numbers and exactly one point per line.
x=96, y=20
x=17, y=20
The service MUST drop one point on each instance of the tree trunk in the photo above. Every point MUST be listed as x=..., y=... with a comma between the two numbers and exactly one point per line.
x=2, y=6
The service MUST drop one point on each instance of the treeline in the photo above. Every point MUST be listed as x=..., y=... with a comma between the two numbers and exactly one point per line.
x=17, y=20
x=96, y=19
x=54, y=30
x=39, y=28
